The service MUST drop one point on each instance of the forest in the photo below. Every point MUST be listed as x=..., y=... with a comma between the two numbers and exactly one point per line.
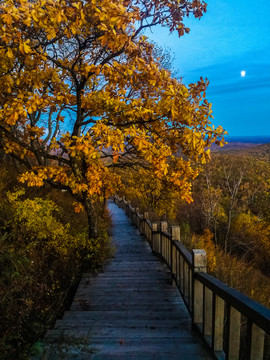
x=90, y=108
x=229, y=216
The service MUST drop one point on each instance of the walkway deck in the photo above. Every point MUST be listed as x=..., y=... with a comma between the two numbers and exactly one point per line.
x=128, y=312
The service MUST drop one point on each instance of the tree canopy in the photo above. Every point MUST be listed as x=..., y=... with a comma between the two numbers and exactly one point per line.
x=83, y=95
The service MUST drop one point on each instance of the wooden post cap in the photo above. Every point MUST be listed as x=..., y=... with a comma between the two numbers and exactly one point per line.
x=163, y=226
x=146, y=215
x=176, y=233
x=199, y=258
x=154, y=226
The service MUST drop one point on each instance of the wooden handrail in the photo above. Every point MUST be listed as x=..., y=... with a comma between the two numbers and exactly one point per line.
x=184, y=251
x=256, y=312
x=232, y=325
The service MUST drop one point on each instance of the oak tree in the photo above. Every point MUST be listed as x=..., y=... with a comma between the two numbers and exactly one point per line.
x=82, y=95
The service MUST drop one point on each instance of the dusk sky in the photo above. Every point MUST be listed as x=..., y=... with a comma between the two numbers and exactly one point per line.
x=233, y=36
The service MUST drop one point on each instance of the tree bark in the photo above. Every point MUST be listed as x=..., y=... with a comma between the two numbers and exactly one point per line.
x=92, y=218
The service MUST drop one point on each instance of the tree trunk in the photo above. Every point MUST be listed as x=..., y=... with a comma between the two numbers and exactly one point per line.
x=92, y=218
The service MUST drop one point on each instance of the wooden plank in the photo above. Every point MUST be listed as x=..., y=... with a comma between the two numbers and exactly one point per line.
x=123, y=296
x=137, y=342
x=122, y=323
x=85, y=305
x=146, y=314
x=123, y=350
x=119, y=333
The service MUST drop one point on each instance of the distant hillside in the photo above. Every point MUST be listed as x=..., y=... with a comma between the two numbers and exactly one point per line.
x=248, y=144
x=234, y=146
x=261, y=152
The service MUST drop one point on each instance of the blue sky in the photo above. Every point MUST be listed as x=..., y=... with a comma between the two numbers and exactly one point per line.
x=233, y=35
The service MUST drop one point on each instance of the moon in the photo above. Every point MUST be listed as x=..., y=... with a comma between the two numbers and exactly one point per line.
x=243, y=73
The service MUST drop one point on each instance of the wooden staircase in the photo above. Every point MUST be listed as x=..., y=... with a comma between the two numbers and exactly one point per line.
x=130, y=311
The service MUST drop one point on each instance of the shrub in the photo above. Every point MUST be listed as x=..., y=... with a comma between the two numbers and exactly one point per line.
x=41, y=259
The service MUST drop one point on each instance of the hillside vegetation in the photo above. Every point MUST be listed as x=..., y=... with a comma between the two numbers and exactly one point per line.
x=44, y=247
x=261, y=152
x=229, y=217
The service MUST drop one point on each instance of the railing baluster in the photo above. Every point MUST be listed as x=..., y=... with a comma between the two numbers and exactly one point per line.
x=175, y=237
x=166, y=249
x=184, y=278
x=170, y=252
x=182, y=274
x=234, y=327
x=163, y=228
x=208, y=304
x=141, y=223
x=190, y=288
x=145, y=217
x=177, y=269
x=257, y=343
x=155, y=238
x=219, y=322
x=186, y=291
x=137, y=223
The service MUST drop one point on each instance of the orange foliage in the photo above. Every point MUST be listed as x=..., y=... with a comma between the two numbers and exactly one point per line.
x=84, y=66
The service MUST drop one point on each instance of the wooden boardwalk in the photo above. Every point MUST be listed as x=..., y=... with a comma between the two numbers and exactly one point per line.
x=130, y=311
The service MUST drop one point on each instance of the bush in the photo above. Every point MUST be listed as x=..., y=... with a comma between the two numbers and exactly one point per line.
x=41, y=258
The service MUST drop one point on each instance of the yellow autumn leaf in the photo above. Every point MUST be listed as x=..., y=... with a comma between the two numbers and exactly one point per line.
x=9, y=53
x=59, y=17
x=26, y=48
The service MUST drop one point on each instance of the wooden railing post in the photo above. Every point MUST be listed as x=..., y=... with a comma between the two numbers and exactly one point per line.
x=132, y=212
x=145, y=217
x=141, y=224
x=155, y=237
x=128, y=208
x=163, y=228
x=234, y=329
x=199, y=260
x=175, y=237
x=158, y=239
x=136, y=218
x=118, y=201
